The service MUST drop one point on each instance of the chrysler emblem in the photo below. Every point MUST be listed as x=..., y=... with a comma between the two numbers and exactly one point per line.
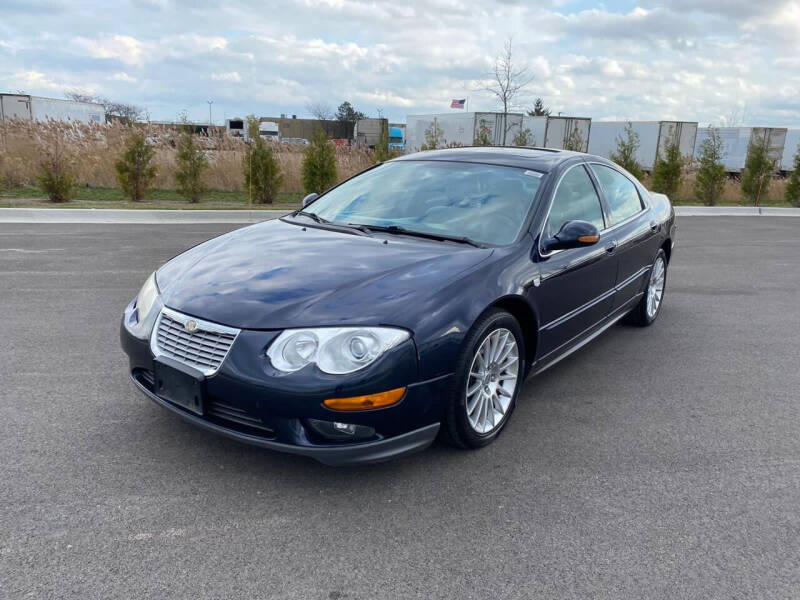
x=190, y=326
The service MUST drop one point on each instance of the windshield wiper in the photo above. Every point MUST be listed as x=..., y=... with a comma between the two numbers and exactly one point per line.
x=397, y=229
x=310, y=215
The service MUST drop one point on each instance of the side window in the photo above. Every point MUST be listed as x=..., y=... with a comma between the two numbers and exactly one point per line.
x=575, y=200
x=620, y=192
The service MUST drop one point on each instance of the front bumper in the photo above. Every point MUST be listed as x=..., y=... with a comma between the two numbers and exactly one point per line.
x=248, y=403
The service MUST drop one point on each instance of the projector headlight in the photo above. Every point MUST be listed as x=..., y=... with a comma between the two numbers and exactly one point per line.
x=335, y=350
x=142, y=312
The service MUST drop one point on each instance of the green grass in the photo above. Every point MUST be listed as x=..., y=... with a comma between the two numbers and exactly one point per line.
x=86, y=197
x=728, y=202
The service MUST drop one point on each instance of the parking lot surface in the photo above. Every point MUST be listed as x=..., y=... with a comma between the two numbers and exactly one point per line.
x=654, y=463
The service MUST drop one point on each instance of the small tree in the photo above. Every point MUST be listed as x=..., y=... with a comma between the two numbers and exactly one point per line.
x=262, y=173
x=668, y=171
x=539, y=109
x=625, y=155
x=347, y=114
x=484, y=135
x=382, y=147
x=434, y=137
x=574, y=140
x=57, y=180
x=710, y=181
x=135, y=171
x=757, y=171
x=793, y=187
x=524, y=138
x=319, y=164
x=191, y=164
x=252, y=123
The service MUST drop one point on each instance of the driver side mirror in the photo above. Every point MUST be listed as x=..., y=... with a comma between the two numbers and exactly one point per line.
x=573, y=234
x=310, y=198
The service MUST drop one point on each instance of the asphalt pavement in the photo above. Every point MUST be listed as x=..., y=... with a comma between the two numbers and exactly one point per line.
x=654, y=463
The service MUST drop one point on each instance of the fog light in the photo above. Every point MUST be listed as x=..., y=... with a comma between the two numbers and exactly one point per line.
x=340, y=431
x=347, y=428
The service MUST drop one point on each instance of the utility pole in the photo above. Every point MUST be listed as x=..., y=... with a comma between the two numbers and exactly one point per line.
x=210, y=102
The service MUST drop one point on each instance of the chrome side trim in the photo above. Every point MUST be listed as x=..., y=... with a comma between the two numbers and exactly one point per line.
x=201, y=325
x=575, y=312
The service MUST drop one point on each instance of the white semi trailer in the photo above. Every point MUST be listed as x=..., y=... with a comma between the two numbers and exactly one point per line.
x=736, y=141
x=790, y=147
x=461, y=129
x=654, y=138
x=558, y=133
x=22, y=106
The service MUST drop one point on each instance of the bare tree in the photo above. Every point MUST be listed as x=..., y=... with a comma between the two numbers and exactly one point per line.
x=320, y=111
x=505, y=82
x=128, y=113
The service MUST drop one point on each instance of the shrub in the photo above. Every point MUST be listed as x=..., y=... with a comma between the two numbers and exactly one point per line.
x=792, y=192
x=57, y=180
x=710, y=180
x=135, y=171
x=524, y=138
x=434, y=137
x=319, y=164
x=484, y=135
x=192, y=163
x=668, y=171
x=757, y=172
x=262, y=173
x=625, y=155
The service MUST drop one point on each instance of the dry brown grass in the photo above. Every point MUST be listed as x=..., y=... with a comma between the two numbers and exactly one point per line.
x=97, y=147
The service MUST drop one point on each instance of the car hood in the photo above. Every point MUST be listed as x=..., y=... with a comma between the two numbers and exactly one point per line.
x=275, y=275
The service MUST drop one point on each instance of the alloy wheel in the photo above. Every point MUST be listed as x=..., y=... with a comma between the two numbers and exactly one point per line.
x=655, y=290
x=492, y=380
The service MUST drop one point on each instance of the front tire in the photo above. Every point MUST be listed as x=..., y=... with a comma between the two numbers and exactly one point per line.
x=488, y=377
x=648, y=308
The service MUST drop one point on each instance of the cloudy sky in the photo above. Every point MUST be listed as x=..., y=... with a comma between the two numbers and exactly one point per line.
x=704, y=60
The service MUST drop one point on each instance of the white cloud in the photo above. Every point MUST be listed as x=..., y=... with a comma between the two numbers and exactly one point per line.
x=231, y=76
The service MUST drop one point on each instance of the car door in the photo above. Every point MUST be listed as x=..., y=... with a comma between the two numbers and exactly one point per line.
x=577, y=285
x=630, y=222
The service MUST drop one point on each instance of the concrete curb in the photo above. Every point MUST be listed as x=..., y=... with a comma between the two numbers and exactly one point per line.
x=736, y=211
x=166, y=217
x=138, y=217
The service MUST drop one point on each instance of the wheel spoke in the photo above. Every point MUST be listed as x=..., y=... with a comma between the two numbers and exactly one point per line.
x=503, y=391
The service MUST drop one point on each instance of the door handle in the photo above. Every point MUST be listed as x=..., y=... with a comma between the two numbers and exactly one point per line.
x=654, y=226
x=611, y=246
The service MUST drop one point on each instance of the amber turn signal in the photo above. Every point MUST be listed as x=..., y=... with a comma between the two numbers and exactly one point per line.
x=588, y=239
x=366, y=402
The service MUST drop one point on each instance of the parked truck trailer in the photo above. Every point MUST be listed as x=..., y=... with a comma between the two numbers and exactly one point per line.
x=559, y=133
x=23, y=106
x=654, y=138
x=462, y=129
x=736, y=142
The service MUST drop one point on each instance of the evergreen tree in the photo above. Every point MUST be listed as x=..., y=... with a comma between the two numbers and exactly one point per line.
x=539, y=109
x=668, y=171
x=757, y=172
x=319, y=164
x=191, y=164
x=135, y=170
x=710, y=180
x=625, y=155
x=793, y=187
x=262, y=173
x=484, y=135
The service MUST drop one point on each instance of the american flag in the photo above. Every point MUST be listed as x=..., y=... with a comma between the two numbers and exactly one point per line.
x=458, y=103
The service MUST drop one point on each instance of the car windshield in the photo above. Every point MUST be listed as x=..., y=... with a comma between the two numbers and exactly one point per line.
x=485, y=203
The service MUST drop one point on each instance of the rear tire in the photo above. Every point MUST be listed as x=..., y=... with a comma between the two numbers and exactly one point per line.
x=488, y=376
x=649, y=306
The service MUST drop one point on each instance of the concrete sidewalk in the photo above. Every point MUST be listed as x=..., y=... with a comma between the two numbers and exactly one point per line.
x=163, y=217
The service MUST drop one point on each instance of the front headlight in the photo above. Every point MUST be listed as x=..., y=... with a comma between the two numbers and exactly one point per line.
x=335, y=350
x=142, y=312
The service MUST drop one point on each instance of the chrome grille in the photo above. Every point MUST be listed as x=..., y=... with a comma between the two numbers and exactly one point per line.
x=204, y=347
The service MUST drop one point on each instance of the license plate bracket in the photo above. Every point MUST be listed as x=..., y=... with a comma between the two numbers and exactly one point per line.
x=181, y=387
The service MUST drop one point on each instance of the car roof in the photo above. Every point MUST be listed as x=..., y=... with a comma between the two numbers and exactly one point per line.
x=537, y=159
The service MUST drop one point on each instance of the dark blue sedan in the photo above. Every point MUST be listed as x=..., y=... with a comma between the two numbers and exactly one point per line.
x=408, y=302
